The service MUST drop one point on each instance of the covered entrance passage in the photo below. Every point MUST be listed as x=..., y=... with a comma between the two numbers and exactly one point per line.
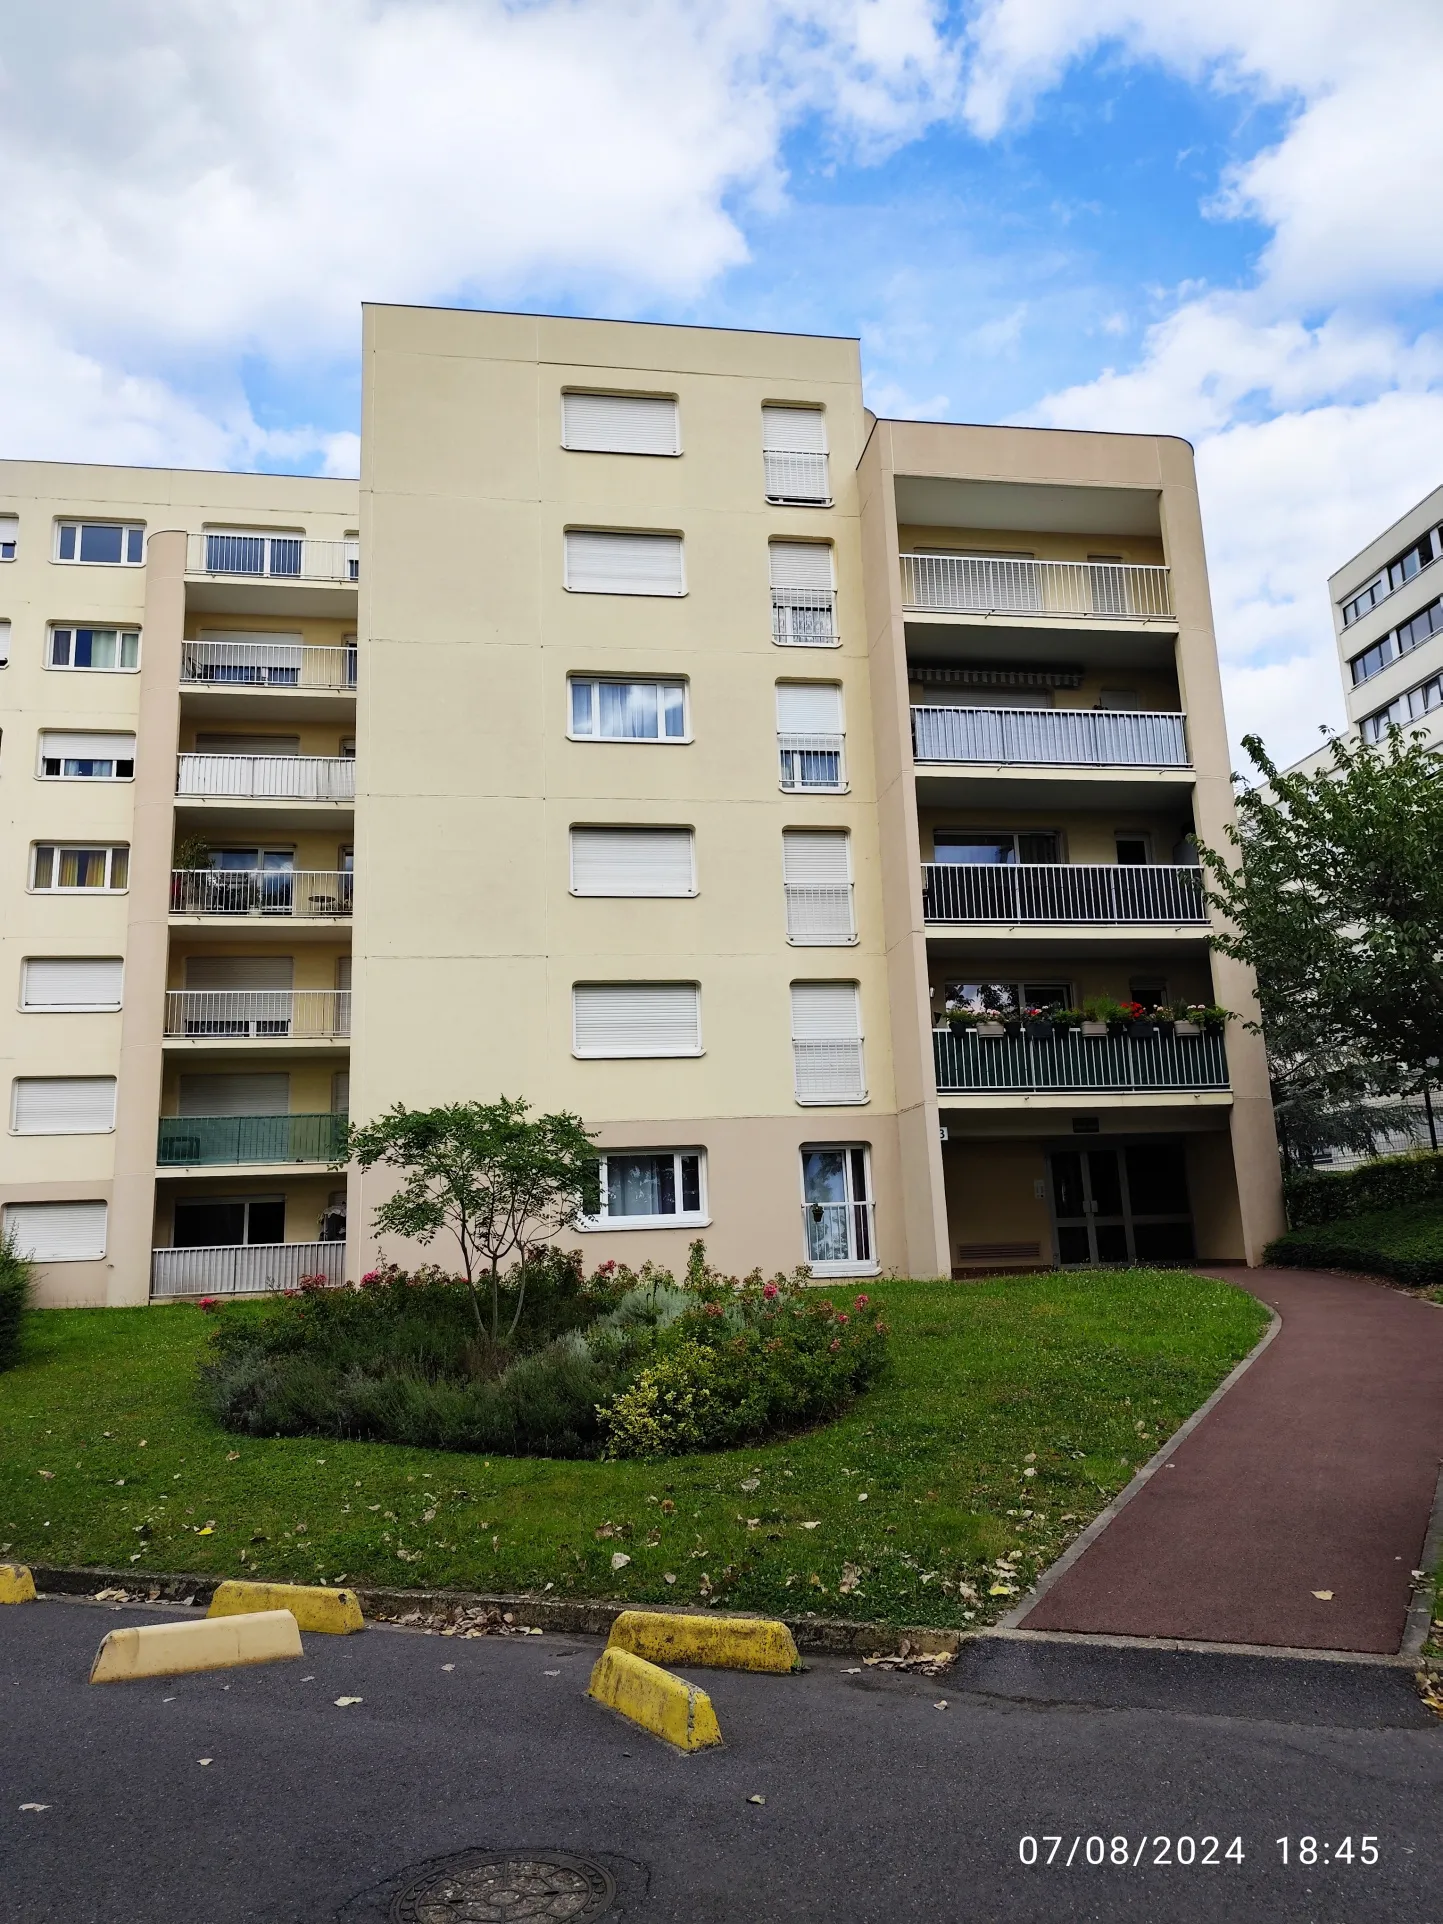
x=1121, y=1204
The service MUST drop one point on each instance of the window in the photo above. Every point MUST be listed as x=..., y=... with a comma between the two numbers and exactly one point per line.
x=57, y=1232
x=1007, y=998
x=804, y=596
x=1134, y=849
x=98, y=648
x=106, y=542
x=4, y=644
x=810, y=737
x=989, y=845
x=837, y=1210
x=71, y=983
x=1125, y=699
x=628, y=711
x=652, y=1189
x=817, y=875
x=9, y=536
x=62, y=1105
x=620, y=424
x=223, y=1221
x=87, y=758
x=632, y=861
x=827, y=1043
x=58, y=868
x=1399, y=570
x=636, y=1019
x=1407, y=636
x=1411, y=706
x=624, y=564
x=794, y=456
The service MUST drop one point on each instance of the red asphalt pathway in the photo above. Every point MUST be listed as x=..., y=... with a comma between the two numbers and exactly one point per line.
x=1315, y=1472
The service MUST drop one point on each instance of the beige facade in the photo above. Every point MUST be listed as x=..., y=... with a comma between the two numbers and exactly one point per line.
x=626, y=742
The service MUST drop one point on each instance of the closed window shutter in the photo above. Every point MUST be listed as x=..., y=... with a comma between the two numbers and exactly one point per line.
x=816, y=858
x=63, y=1105
x=632, y=861
x=817, y=872
x=620, y=424
x=624, y=564
x=794, y=430
x=87, y=748
x=58, y=1232
x=636, y=1018
x=826, y=1043
x=72, y=982
x=235, y=1095
x=800, y=564
x=239, y=971
x=809, y=708
x=825, y=1011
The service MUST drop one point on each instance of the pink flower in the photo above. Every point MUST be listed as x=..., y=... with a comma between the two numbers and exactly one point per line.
x=843, y=1318
x=862, y=1302
x=713, y=1309
x=836, y=1343
x=881, y=1329
x=770, y=1290
x=208, y=1302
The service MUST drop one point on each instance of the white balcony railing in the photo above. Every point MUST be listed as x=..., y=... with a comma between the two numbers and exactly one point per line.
x=804, y=617
x=797, y=477
x=812, y=762
x=243, y=1269
x=309, y=893
x=841, y=1237
x=820, y=917
x=829, y=1069
x=258, y=1015
x=267, y=664
x=260, y=555
x=996, y=585
x=301, y=778
x=1062, y=892
x=1063, y=737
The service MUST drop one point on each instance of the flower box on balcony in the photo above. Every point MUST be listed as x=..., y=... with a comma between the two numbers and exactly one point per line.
x=1144, y=1030
x=1039, y=1030
x=1095, y=1028
x=1186, y=1028
x=993, y=1031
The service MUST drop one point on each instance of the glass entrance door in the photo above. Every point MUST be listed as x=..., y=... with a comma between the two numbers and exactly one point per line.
x=1123, y=1205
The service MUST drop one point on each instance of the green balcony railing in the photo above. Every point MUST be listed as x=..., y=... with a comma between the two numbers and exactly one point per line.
x=192, y=1141
x=1069, y=1061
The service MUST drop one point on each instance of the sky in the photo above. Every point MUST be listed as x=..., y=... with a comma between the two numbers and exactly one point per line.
x=1214, y=218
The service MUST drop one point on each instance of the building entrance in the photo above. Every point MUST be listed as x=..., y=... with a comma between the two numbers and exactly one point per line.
x=1121, y=1205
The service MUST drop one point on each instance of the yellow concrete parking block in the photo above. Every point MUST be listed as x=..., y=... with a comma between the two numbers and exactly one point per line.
x=336, y=1612
x=667, y=1706
x=211, y=1643
x=718, y=1643
x=16, y=1583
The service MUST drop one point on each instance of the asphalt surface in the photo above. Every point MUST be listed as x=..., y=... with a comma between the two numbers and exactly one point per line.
x=1316, y=1472
x=879, y=1806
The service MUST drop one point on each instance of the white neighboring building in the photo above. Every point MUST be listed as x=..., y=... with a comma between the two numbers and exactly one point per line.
x=1388, y=616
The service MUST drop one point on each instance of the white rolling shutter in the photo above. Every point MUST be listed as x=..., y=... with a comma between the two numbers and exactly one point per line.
x=63, y=1105
x=4, y=633
x=816, y=868
x=72, y=982
x=636, y=1019
x=801, y=564
x=239, y=971
x=827, y=1043
x=86, y=748
x=57, y=1232
x=809, y=708
x=620, y=424
x=624, y=564
x=632, y=861
x=816, y=857
x=235, y=1095
x=794, y=430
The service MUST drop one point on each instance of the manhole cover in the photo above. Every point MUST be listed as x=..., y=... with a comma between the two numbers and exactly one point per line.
x=503, y=1887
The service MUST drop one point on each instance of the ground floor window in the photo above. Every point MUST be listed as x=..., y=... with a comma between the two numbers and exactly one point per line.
x=652, y=1189
x=212, y=1221
x=837, y=1208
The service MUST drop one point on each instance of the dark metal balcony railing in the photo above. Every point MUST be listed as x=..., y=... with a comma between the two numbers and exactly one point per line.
x=190, y=1141
x=1061, y=892
x=1063, y=737
x=1069, y=1061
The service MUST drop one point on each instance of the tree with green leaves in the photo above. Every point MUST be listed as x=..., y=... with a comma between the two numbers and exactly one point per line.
x=1333, y=894
x=495, y=1176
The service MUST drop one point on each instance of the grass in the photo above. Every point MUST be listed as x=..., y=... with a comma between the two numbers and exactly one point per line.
x=1013, y=1410
x=1404, y=1242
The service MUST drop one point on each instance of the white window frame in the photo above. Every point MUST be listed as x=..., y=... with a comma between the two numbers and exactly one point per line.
x=683, y=1219
x=638, y=1055
x=620, y=394
x=69, y=1008
x=9, y=536
x=108, y=849
x=18, y=1082
x=797, y=743
x=41, y=774
x=119, y=630
x=860, y=1039
x=631, y=828
x=127, y=529
x=631, y=681
x=852, y=1266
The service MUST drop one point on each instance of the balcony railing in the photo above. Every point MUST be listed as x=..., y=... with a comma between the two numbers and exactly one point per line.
x=812, y=762
x=996, y=585
x=267, y=664
x=273, y=557
x=820, y=916
x=192, y=1141
x=1096, y=892
x=1072, y=1062
x=841, y=1237
x=258, y=1014
x=797, y=477
x=1062, y=737
x=302, y=778
x=243, y=1269
x=804, y=617
x=310, y=893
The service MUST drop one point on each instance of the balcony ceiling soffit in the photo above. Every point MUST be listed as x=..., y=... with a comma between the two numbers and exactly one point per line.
x=1026, y=507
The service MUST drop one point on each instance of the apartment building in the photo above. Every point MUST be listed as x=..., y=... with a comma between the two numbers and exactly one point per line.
x=656, y=735
x=1388, y=617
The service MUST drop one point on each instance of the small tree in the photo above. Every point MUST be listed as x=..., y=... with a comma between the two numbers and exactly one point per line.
x=487, y=1171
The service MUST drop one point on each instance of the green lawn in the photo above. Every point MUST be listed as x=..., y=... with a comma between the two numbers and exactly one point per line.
x=1013, y=1410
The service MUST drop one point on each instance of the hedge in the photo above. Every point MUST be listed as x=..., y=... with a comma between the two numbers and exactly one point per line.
x=1406, y=1244
x=1392, y=1182
x=15, y=1279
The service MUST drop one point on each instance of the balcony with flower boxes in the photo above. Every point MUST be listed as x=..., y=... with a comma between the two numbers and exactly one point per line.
x=998, y=1062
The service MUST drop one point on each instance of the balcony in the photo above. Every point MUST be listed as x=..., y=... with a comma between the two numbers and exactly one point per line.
x=192, y=1142
x=1077, y=590
x=301, y=778
x=1082, y=892
x=310, y=894
x=258, y=1015
x=260, y=556
x=243, y=1269
x=1056, y=737
x=804, y=617
x=267, y=664
x=1073, y=1063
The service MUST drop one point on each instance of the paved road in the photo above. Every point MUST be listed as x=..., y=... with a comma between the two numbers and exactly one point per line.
x=1315, y=1472
x=880, y=1808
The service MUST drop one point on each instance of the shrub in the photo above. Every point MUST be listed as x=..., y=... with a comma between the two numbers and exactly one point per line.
x=16, y=1278
x=1405, y=1243
x=1392, y=1182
